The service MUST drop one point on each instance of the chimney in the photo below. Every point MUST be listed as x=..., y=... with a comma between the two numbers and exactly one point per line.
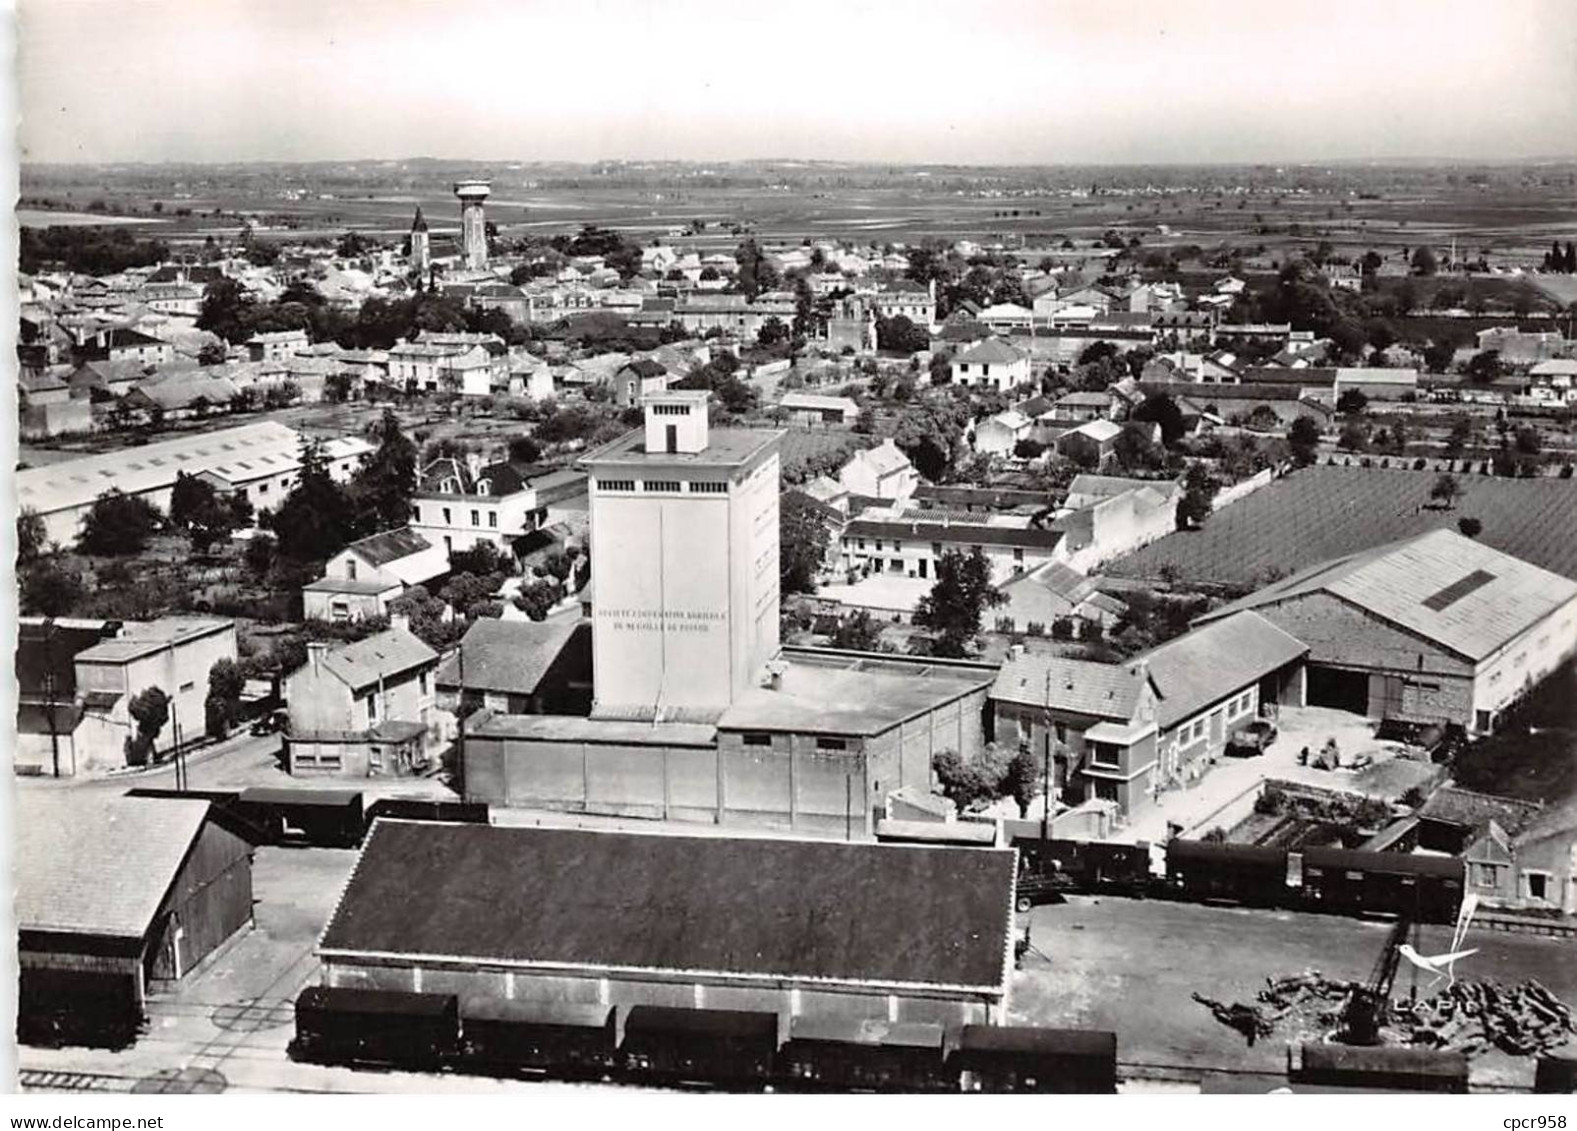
x=473, y=463
x=400, y=621
x=316, y=650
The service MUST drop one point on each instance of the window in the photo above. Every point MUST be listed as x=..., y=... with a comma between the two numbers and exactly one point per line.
x=862, y=543
x=756, y=739
x=670, y=410
x=1486, y=875
x=416, y=514
x=1062, y=732
x=421, y=682
x=1105, y=754
x=350, y=569
x=484, y=487
x=897, y=547
x=492, y=519
x=476, y=518
x=616, y=484
x=669, y=485
x=188, y=685
x=447, y=519
x=262, y=488
x=1538, y=885
x=936, y=548
x=708, y=487
x=831, y=744
x=372, y=708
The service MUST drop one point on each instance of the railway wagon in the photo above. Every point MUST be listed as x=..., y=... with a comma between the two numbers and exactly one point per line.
x=1197, y=869
x=1091, y=865
x=1556, y=1075
x=1381, y=1067
x=500, y=1037
x=1001, y=1058
x=1428, y=888
x=94, y=1008
x=322, y=818
x=848, y=1054
x=722, y=1047
x=393, y=1028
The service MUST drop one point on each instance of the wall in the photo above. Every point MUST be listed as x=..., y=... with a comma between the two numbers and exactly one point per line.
x=321, y=605
x=181, y=673
x=500, y=519
x=1526, y=659
x=210, y=901
x=784, y=997
x=1342, y=635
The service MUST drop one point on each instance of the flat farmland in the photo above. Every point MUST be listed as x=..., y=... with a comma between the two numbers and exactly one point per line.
x=1320, y=513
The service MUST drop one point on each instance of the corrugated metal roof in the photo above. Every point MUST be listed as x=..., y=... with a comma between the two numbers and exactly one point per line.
x=98, y=865
x=1407, y=583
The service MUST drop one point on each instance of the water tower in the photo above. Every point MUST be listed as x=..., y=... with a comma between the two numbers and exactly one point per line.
x=473, y=227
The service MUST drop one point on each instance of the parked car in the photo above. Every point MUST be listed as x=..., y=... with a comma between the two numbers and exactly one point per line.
x=271, y=723
x=1251, y=739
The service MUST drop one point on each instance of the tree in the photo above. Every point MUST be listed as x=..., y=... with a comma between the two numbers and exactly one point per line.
x=900, y=335
x=1456, y=442
x=383, y=487
x=1024, y=779
x=1304, y=439
x=32, y=536
x=772, y=332
x=972, y=782
x=1199, y=493
x=756, y=275
x=261, y=549
x=117, y=524
x=802, y=542
x=962, y=593
x=222, y=708
x=1162, y=409
x=1438, y=355
x=317, y=518
x=150, y=708
x=1135, y=451
x=1351, y=401
x=536, y=598
x=203, y=514
x=1354, y=437
x=1469, y=526
x=524, y=449
x=858, y=632
x=49, y=588
x=227, y=310
x=1446, y=490
x=1485, y=366
x=214, y=353
x=1424, y=262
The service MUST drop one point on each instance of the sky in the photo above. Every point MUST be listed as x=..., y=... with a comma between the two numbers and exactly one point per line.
x=917, y=81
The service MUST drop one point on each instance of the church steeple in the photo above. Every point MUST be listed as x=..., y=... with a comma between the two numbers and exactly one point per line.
x=420, y=223
x=421, y=244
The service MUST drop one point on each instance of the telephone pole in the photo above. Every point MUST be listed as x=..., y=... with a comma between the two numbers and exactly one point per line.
x=1045, y=794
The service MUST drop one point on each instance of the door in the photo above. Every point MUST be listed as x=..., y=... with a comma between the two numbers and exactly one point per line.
x=673, y=437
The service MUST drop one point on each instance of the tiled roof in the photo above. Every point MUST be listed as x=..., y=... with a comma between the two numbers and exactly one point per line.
x=382, y=655
x=91, y=864
x=1476, y=810
x=1458, y=592
x=918, y=529
x=992, y=351
x=623, y=901
x=1211, y=662
x=1080, y=687
x=390, y=546
x=507, y=656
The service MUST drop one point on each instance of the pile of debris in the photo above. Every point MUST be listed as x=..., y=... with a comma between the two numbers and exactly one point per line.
x=1469, y=1017
x=1523, y=1020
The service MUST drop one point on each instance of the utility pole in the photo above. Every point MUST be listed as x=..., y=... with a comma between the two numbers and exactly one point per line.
x=49, y=690
x=1045, y=796
x=848, y=804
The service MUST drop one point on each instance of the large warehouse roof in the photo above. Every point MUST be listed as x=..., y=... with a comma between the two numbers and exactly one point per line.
x=240, y=455
x=1465, y=596
x=554, y=899
x=98, y=866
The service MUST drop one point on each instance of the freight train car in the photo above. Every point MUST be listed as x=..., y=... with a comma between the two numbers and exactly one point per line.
x=1197, y=869
x=1427, y=888
x=1378, y=1067
x=847, y=1054
x=506, y=1038
x=1001, y=1058
x=719, y=1047
x=384, y=1028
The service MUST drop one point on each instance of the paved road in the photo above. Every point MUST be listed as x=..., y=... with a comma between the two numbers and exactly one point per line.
x=1131, y=966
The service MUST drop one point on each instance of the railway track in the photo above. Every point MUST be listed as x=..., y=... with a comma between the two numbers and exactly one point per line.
x=42, y=1080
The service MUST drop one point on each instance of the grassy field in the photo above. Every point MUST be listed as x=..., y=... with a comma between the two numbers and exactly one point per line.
x=1325, y=512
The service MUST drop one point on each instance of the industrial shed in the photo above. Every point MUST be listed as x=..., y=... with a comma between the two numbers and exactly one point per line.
x=891, y=932
x=1436, y=627
x=113, y=895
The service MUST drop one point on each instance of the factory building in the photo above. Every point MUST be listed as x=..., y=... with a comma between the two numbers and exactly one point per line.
x=571, y=916
x=1436, y=627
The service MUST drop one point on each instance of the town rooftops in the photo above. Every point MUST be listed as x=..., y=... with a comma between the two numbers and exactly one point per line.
x=390, y=546
x=1476, y=810
x=887, y=458
x=1100, y=431
x=1080, y=687
x=662, y=905
x=381, y=656
x=1457, y=592
x=97, y=865
x=819, y=402
x=1213, y=661
x=992, y=351
x=507, y=656
x=725, y=447
x=277, y=337
x=1081, y=399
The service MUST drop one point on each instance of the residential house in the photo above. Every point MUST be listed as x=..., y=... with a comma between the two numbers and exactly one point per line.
x=520, y=667
x=882, y=472
x=360, y=580
x=1108, y=516
x=1055, y=592
x=276, y=345
x=459, y=503
x=908, y=299
x=1079, y=407
x=639, y=377
x=47, y=407
x=365, y=709
x=999, y=435
x=1090, y=444
x=991, y=364
x=911, y=544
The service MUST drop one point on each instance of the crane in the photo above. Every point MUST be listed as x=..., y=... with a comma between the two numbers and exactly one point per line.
x=1369, y=1006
